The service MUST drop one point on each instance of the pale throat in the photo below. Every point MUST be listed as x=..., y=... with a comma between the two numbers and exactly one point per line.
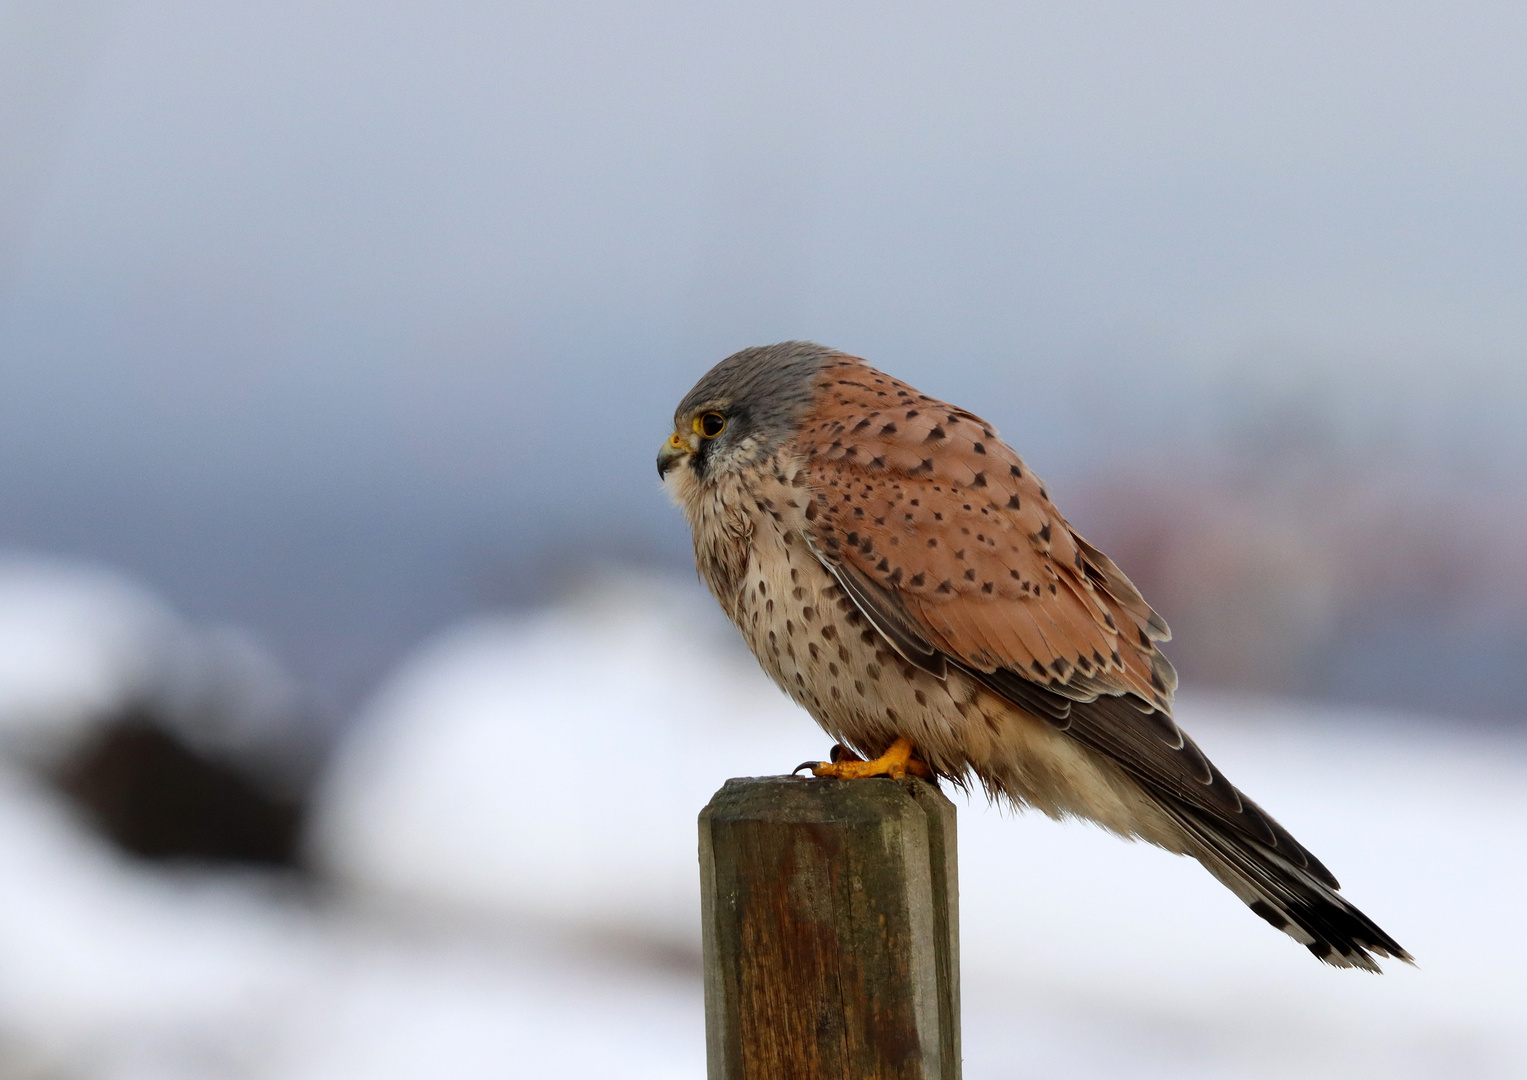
x=717, y=511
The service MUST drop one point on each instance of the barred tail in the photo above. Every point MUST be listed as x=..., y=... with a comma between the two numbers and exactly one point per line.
x=1294, y=900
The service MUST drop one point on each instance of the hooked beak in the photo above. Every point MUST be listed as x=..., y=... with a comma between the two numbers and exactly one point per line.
x=673, y=449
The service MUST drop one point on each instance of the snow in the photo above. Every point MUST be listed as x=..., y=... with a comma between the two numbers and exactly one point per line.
x=74, y=643
x=79, y=643
x=553, y=766
x=114, y=971
x=508, y=848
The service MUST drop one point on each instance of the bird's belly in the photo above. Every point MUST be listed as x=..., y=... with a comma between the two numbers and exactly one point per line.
x=815, y=644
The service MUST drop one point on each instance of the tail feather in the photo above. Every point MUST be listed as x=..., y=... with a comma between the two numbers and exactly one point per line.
x=1290, y=898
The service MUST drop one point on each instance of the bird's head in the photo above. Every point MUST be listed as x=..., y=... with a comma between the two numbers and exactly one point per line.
x=742, y=411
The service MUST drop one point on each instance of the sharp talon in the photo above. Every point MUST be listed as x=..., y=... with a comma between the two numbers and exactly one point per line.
x=805, y=765
x=896, y=763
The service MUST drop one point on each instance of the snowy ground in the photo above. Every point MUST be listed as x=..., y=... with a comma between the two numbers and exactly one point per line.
x=509, y=846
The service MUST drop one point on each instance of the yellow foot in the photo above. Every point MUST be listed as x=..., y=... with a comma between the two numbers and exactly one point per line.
x=896, y=763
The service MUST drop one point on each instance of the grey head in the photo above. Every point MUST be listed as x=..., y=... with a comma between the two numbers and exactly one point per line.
x=745, y=407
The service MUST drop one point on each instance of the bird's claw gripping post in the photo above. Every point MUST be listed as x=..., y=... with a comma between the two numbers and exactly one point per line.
x=897, y=762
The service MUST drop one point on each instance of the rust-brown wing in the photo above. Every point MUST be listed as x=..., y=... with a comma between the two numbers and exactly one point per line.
x=925, y=501
x=951, y=546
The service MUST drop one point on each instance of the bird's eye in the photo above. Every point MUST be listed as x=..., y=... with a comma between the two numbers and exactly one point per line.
x=709, y=425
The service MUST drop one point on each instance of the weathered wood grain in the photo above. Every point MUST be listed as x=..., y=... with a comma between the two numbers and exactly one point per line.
x=831, y=927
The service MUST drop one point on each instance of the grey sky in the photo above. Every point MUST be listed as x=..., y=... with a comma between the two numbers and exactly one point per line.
x=432, y=258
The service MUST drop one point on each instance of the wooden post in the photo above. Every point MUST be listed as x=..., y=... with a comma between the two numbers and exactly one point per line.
x=831, y=930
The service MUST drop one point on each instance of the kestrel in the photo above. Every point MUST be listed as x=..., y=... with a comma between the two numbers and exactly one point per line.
x=901, y=573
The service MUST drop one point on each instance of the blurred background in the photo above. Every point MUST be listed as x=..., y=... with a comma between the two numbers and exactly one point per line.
x=336, y=344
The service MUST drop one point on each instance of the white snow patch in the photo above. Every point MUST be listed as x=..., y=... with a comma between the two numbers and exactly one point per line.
x=79, y=644
x=75, y=643
x=513, y=824
x=554, y=765
x=116, y=971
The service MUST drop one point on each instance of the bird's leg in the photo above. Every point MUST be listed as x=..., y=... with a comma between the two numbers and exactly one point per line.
x=896, y=763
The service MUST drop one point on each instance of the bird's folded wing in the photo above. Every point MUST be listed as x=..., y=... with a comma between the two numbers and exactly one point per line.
x=953, y=550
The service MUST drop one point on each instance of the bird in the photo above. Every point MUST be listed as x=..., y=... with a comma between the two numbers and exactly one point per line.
x=901, y=573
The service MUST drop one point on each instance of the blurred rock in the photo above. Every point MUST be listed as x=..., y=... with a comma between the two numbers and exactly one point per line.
x=175, y=740
x=156, y=796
